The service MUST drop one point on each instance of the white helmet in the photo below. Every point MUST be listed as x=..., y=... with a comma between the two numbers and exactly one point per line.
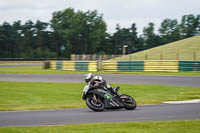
x=98, y=78
x=89, y=77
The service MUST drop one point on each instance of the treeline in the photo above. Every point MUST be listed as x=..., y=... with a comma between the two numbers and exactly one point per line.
x=71, y=32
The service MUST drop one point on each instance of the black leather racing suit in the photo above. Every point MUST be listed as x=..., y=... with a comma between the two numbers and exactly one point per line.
x=101, y=83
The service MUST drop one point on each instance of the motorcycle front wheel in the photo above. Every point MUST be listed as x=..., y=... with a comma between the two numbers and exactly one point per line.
x=129, y=102
x=94, y=104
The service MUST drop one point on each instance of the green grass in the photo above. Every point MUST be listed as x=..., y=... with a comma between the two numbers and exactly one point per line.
x=156, y=73
x=27, y=95
x=38, y=95
x=40, y=70
x=184, y=48
x=186, y=126
x=33, y=70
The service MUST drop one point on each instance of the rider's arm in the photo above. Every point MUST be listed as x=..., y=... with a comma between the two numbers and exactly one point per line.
x=104, y=83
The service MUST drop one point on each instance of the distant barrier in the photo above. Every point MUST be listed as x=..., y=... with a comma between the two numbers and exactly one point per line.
x=161, y=66
x=19, y=62
x=129, y=66
x=132, y=66
x=74, y=65
x=109, y=66
x=189, y=66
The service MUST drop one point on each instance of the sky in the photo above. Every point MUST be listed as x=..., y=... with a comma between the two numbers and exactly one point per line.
x=122, y=12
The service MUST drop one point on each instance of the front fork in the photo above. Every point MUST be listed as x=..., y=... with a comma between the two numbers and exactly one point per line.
x=95, y=97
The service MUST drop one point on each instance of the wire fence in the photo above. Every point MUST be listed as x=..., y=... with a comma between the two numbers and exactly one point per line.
x=93, y=57
x=132, y=57
x=161, y=56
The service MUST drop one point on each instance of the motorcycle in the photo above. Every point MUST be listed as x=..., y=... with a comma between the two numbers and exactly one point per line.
x=99, y=98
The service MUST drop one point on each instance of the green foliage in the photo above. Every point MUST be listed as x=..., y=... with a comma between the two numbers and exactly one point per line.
x=77, y=32
x=149, y=36
x=81, y=32
x=169, y=31
x=46, y=53
x=125, y=36
x=190, y=26
x=25, y=41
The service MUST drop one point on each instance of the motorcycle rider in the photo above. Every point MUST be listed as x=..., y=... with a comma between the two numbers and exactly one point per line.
x=96, y=81
x=99, y=95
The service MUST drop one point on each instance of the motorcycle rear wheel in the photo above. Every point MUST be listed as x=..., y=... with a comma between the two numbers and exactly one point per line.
x=129, y=102
x=95, y=104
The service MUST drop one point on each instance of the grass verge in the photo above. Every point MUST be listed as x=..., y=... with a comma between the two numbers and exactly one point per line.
x=38, y=95
x=186, y=126
x=40, y=70
x=186, y=49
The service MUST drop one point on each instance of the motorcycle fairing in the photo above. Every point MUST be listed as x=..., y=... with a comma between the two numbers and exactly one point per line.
x=109, y=100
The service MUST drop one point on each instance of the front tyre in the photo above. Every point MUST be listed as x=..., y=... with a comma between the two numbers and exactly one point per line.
x=94, y=104
x=128, y=101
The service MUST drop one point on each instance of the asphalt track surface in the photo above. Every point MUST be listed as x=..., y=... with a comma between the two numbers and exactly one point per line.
x=191, y=81
x=75, y=116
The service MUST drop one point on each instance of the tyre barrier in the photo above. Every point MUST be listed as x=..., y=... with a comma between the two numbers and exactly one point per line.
x=161, y=66
x=132, y=66
x=189, y=66
x=110, y=66
x=152, y=66
x=128, y=66
x=74, y=65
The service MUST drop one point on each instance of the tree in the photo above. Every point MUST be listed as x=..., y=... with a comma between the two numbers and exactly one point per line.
x=76, y=32
x=126, y=36
x=107, y=46
x=149, y=37
x=169, y=31
x=8, y=41
x=116, y=40
x=135, y=45
x=40, y=31
x=27, y=43
x=43, y=47
x=81, y=32
x=190, y=26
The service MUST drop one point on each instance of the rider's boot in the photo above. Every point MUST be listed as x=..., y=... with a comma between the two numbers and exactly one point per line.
x=115, y=90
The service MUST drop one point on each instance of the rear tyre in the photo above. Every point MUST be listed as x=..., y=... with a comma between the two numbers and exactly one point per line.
x=94, y=104
x=128, y=101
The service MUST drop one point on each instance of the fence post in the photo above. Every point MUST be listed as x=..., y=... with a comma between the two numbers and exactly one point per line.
x=194, y=56
x=104, y=57
x=84, y=57
x=73, y=57
x=94, y=57
x=99, y=65
x=161, y=56
x=177, y=56
x=46, y=64
x=146, y=57
x=130, y=57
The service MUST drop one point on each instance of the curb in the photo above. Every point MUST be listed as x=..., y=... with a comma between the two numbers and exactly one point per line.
x=182, y=102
